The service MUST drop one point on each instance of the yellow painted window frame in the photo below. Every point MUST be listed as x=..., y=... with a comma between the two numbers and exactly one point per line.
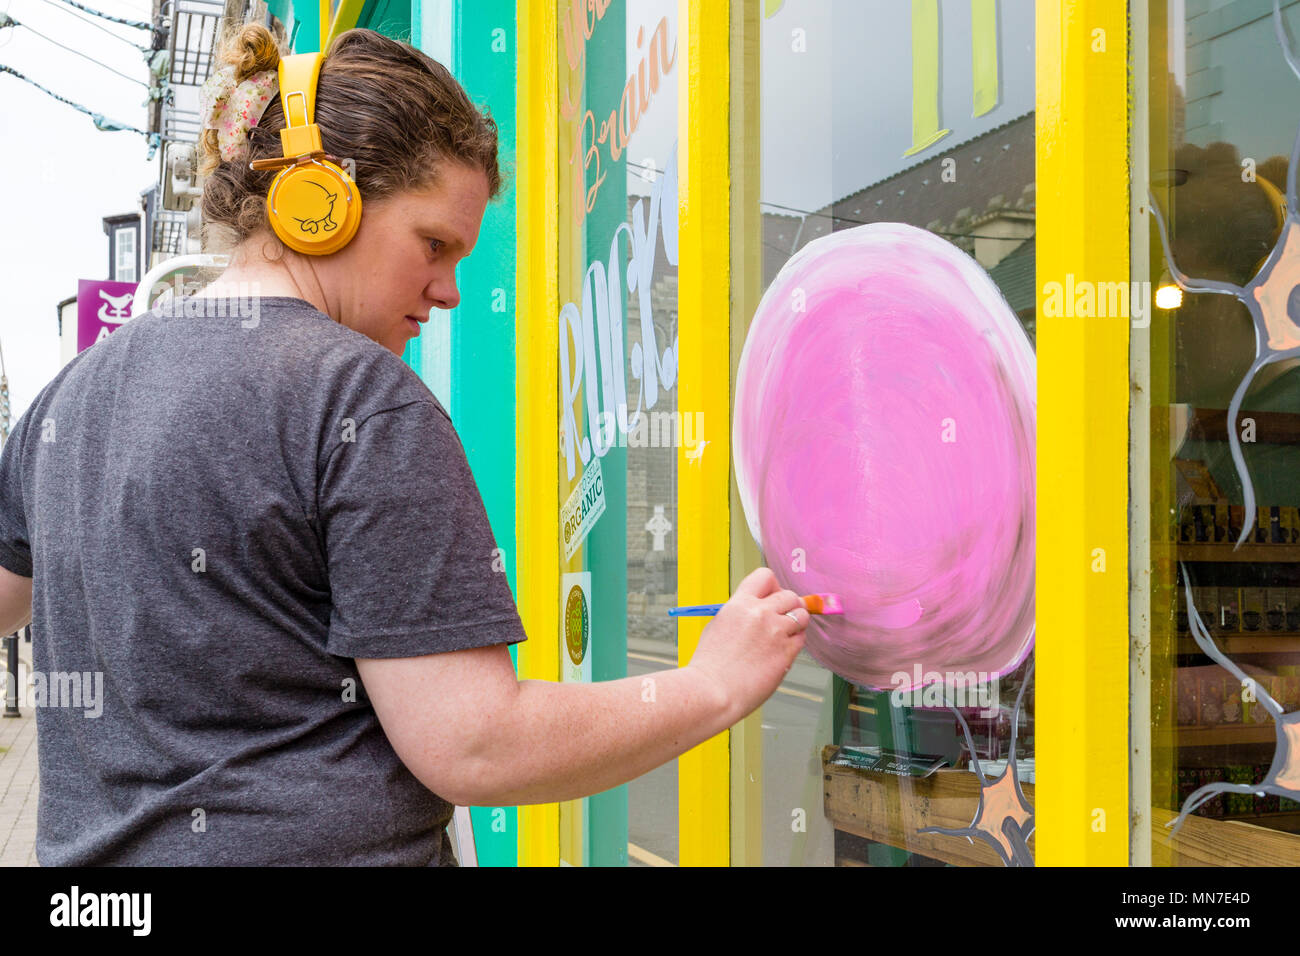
x=537, y=374
x=704, y=367
x=345, y=18
x=704, y=383
x=1082, y=670
x=1082, y=180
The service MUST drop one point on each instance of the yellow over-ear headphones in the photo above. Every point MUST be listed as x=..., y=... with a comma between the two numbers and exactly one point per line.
x=313, y=205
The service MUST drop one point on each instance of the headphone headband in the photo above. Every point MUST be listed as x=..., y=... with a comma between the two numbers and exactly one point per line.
x=298, y=77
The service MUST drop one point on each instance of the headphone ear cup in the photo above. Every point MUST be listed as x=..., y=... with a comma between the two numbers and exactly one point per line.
x=314, y=208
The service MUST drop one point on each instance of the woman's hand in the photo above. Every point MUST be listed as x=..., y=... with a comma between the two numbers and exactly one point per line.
x=750, y=644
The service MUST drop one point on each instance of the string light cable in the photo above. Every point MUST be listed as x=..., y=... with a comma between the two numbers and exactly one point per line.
x=101, y=121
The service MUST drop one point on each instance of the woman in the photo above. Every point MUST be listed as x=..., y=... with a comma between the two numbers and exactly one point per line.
x=255, y=527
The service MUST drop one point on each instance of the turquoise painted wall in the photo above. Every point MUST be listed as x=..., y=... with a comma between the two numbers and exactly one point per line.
x=392, y=18
x=468, y=356
x=483, y=327
x=304, y=27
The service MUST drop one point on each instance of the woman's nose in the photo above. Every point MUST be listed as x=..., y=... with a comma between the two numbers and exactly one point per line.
x=443, y=292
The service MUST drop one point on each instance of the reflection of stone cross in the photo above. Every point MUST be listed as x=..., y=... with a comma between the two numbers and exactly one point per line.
x=659, y=526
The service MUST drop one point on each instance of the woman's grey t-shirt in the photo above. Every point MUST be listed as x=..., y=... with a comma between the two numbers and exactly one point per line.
x=220, y=512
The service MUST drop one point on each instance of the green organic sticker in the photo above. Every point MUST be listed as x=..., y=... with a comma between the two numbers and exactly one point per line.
x=577, y=625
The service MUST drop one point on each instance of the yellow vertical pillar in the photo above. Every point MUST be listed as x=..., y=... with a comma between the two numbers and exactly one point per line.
x=537, y=336
x=703, y=517
x=1082, y=237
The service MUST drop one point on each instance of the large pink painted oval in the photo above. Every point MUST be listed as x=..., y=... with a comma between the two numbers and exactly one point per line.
x=884, y=441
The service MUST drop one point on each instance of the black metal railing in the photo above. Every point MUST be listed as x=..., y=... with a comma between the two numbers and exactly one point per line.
x=11, y=671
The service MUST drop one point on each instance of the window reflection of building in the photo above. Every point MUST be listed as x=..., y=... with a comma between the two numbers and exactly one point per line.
x=652, y=476
x=1223, y=228
x=980, y=195
x=983, y=202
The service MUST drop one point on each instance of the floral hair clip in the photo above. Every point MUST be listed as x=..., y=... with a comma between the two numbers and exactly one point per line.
x=232, y=109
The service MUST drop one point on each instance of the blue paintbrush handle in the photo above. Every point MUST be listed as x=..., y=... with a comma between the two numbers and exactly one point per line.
x=695, y=610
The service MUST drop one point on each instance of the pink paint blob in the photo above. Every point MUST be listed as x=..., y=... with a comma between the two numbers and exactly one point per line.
x=884, y=441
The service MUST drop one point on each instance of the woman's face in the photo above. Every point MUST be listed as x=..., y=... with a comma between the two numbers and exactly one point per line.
x=402, y=261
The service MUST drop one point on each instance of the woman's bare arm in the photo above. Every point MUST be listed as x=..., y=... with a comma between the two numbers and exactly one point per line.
x=475, y=735
x=15, y=602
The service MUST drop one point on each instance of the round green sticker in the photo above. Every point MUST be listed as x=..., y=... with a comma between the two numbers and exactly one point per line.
x=577, y=624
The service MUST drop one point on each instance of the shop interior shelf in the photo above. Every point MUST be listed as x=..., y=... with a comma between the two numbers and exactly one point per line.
x=1255, y=553
x=1207, y=842
x=1288, y=820
x=1256, y=642
x=1271, y=428
x=1221, y=734
x=890, y=809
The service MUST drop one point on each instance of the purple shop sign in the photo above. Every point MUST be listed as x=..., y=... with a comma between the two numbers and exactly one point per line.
x=102, y=307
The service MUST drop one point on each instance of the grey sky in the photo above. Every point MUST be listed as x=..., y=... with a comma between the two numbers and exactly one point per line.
x=837, y=115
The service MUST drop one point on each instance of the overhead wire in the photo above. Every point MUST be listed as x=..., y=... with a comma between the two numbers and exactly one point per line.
x=101, y=121
x=97, y=26
x=136, y=8
x=137, y=24
x=84, y=56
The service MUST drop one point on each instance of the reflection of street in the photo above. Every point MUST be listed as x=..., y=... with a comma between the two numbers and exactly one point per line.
x=652, y=797
x=791, y=752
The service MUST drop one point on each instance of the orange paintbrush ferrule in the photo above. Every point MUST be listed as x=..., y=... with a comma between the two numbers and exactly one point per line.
x=823, y=604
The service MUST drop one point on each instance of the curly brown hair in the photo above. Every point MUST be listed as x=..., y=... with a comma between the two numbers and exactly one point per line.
x=397, y=114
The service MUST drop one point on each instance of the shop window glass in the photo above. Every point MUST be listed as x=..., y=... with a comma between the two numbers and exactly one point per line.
x=920, y=113
x=621, y=427
x=1224, y=734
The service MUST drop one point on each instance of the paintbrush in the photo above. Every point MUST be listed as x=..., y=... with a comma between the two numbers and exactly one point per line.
x=814, y=603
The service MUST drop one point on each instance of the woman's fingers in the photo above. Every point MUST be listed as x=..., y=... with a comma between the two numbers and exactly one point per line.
x=791, y=605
